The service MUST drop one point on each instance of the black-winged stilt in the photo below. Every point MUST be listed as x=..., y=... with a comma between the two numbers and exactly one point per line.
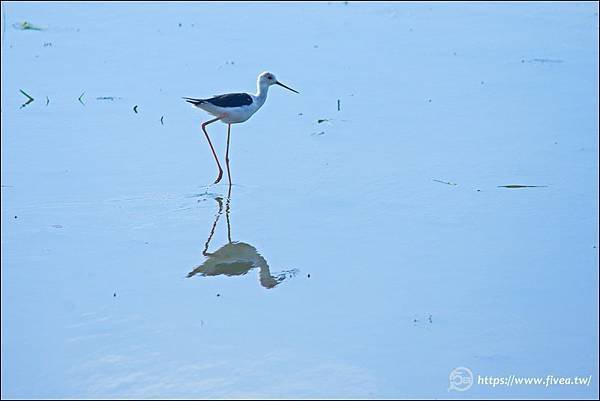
x=233, y=108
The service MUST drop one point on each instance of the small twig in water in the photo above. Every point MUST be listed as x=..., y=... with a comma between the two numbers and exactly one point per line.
x=161, y=120
x=522, y=186
x=29, y=98
x=135, y=109
x=444, y=182
x=338, y=104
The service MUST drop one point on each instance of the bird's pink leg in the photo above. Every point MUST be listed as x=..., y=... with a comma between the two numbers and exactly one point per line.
x=227, y=154
x=213, y=149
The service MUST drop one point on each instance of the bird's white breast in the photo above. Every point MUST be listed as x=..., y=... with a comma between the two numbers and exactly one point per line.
x=235, y=115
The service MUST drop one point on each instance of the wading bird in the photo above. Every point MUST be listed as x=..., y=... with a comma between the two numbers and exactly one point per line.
x=233, y=108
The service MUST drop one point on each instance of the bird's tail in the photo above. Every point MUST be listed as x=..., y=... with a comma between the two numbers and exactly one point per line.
x=193, y=101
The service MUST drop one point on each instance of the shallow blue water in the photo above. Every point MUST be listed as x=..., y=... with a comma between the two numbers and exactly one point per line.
x=388, y=279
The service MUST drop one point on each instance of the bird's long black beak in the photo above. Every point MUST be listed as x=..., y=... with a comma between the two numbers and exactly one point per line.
x=286, y=87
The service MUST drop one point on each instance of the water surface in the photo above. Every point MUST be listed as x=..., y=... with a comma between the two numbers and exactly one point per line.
x=363, y=252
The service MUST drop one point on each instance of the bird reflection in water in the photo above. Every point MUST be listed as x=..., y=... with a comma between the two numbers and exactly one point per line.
x=236, y=258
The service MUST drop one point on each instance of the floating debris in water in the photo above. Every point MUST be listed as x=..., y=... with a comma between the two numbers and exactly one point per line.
x=26, y=26
x=338, y=104
x=25, y=93
x=135, y=109
x=218, y=295
x=114, y=294
x=420, y=318
x=543, y=60
x=47, y=101
x=111, y=98
x=226, y=63
x=308, y=275
x=322, y=120
x=318, y=133
x=512, y=186
x=29, y=98
x=444, y=182
x=161, y=120
x=80, y=98
x=56, y=226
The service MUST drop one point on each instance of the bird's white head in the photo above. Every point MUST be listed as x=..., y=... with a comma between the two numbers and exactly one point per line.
x=267, y=79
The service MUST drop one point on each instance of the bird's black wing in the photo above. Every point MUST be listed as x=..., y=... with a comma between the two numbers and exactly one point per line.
x=228, y=100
